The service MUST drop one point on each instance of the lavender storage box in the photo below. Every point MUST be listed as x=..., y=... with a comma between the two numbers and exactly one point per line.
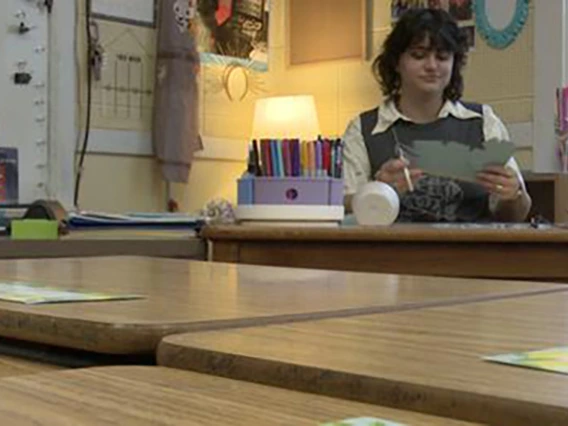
x=290, y=191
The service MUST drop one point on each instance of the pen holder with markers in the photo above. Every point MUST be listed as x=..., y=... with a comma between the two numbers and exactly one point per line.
x=290, y=191
x=292, y=183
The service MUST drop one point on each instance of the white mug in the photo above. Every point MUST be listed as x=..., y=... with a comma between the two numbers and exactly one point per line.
x=376, y=203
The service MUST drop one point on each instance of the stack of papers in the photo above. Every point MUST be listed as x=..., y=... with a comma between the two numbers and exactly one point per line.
x=553, y=359
x=143, y=220
x=34, y=294
x=363, y=421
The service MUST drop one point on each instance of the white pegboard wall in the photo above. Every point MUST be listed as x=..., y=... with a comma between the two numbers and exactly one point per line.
x=24, y=114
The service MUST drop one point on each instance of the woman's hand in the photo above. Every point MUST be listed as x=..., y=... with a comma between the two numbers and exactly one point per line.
x=392, y=173
x=500, y=181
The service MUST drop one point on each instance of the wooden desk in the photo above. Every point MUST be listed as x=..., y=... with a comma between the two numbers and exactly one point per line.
x=161, y=396
x=13, y=366
x=532, y=254
x=107, y=243
x=426, y=360
x=549, y=193
x=185, y=296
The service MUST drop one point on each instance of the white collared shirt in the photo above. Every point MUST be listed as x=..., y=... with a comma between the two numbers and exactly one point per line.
x=357, y=168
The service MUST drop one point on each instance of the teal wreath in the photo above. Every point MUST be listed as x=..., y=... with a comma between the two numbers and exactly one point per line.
x=501, y=38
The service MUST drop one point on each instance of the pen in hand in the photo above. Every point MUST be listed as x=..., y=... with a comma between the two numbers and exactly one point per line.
x=401, y=156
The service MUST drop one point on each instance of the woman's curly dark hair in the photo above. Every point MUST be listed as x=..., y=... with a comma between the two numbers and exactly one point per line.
x=414, y=26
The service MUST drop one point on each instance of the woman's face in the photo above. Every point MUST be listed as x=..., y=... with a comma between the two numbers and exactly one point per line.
x=425, y=71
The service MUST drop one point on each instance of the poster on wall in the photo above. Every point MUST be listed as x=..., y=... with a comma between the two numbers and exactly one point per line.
x=134, y=12
x=460, y=10
x=9, y=175
x=231, y=31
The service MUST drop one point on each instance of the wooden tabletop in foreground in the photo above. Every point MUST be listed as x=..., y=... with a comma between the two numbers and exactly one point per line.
x=161, y=396
x=427, y=360
x=180, y=296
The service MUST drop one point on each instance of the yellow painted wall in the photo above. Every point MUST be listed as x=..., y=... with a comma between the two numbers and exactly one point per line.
x=342, y=89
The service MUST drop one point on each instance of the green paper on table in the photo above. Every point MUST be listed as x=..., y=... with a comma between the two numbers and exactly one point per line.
x=456, y=160
x=553, y=359
x=34, y=229
x=362, y=421
x=34, y=294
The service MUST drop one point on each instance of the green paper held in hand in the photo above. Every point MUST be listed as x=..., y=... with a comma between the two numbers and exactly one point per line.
x=455, y=160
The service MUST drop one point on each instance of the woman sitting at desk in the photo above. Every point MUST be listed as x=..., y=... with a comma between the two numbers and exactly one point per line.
x=420, y=73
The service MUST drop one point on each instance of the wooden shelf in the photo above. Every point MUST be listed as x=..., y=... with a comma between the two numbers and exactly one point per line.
x=549, y=193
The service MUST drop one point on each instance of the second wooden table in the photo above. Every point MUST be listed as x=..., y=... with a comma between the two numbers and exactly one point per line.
x=428, y=360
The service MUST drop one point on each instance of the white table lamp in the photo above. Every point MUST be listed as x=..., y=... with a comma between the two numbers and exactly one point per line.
x=286, y=117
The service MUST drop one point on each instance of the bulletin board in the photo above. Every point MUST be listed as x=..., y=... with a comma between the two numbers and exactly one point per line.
x=326, y=30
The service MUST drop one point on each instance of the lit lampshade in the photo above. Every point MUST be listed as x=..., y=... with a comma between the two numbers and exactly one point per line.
x=285, y=117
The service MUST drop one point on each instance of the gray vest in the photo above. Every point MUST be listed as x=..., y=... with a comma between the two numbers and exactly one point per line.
x=435, y=199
